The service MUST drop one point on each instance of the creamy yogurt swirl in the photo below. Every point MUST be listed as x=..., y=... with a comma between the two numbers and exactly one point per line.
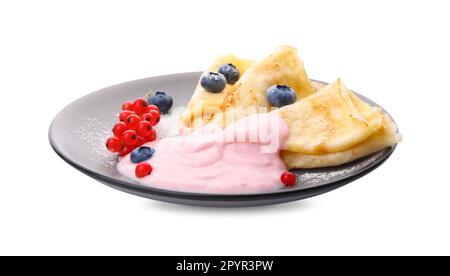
x=243, y=158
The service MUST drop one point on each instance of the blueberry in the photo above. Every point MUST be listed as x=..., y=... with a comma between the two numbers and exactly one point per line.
x=213, y=82
x=163, y=101
x=230, y=72
x=281, y=95
x=141, y=154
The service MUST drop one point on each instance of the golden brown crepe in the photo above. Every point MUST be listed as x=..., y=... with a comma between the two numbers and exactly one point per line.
x=249, y=94
x=203, y=104
x=327, y=121
x=333, y=127
x=283, y=67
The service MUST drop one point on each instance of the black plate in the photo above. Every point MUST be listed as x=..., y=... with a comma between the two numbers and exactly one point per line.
x=78, y=132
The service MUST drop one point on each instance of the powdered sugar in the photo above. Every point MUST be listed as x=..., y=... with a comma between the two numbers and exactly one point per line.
x=315, y=177
x=94, y=132
x=168, y=126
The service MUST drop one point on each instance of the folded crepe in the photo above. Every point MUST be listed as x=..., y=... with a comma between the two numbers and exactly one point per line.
x=203, y=104
x=333, y=127
x=249, y=94
x=282, y=67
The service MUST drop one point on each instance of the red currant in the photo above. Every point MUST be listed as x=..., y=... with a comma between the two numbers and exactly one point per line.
x=113, y=144
x=289, y=179
x=124, y=114
x=127, y=106
x=143, y=169
x=149, y=118
x=151, y=107
x=126, y=150
x=132, y=121
x=129, y=138
x=119, y=129
x=151, y=136
x=155, y=114
x=139, y=106
x=139, y=141
x=144, y=128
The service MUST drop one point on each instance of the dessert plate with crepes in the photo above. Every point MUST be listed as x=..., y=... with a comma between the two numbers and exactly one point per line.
x=334, y=134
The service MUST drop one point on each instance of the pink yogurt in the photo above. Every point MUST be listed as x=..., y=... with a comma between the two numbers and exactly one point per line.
x=243, y=158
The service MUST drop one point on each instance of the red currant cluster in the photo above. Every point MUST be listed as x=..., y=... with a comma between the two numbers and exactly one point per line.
x=135, y=127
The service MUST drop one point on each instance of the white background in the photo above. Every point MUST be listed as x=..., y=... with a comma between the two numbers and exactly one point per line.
x=53, y=52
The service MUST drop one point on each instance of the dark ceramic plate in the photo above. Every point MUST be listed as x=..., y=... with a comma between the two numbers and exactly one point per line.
x=78, y=132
